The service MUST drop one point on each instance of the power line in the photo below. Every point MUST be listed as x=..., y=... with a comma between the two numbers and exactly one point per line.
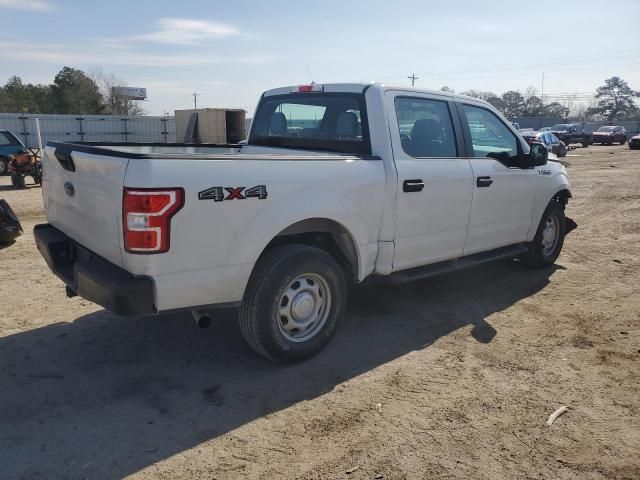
x=470, y=74
x=539, y=63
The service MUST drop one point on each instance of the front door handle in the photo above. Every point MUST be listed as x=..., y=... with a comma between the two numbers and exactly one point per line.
x=414, y=185
x=483, y=182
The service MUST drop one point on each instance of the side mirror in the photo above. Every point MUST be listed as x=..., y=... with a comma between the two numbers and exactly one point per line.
x=538, y=155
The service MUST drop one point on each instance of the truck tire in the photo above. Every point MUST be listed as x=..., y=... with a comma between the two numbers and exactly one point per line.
x=545, y=248
x=623, y=141
x=585, y=143
x=293, y=303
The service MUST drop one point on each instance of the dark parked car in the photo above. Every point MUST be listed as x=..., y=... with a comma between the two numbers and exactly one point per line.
x=634, y=142
x=572, y=133
x=553, y=143
x=9, y=145
x=608, y=135
x=10, y=227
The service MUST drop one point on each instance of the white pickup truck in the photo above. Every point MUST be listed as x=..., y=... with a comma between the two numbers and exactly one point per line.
x=336, y=183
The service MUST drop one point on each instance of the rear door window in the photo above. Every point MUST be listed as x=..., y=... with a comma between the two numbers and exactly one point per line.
x=426, y=129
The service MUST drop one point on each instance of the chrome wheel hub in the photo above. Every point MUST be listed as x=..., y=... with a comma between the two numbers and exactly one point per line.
x=304, y=307
x=550, y=235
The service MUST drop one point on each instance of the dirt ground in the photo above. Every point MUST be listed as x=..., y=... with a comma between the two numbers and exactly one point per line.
x=449, y=378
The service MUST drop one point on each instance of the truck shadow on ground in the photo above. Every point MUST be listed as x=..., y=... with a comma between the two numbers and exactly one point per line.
x=104, y=397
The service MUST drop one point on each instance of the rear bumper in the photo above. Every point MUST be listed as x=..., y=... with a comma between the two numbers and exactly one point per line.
x=92, y=277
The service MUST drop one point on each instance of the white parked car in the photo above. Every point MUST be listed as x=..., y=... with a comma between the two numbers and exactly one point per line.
x=337, y=183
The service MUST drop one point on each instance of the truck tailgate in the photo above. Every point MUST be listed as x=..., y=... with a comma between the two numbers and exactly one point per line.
x=82, y=195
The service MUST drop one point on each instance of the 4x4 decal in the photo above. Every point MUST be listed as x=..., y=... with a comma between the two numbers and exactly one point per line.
x=219, y=194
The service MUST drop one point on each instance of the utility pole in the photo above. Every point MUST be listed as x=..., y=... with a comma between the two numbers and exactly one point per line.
x=542, y=92
x=413, y=79
x=195, y=100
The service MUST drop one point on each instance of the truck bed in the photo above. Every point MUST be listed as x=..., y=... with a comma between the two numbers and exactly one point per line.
x=202, y=151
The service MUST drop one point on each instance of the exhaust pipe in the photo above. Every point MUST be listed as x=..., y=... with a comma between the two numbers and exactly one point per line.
x=202, y=319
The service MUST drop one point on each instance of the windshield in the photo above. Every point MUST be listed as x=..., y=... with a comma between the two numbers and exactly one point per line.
x=561, y=126
x=335, y=122
x=606, y=129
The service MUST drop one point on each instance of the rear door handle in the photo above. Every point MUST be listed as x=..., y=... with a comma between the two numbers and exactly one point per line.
x=414, y=185
x=483, y=182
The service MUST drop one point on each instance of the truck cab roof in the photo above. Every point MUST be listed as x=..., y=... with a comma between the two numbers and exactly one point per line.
x=360, y=87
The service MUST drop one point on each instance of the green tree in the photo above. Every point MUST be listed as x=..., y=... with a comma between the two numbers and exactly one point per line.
x=555, y=109
x=41, y=98
x=498, y=103
x=615, y=100
x=532, y=107
x=514, y=104
x=74, y=92
x=16, y=96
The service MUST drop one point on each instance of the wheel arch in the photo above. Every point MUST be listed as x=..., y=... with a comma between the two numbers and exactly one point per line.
x=560, y=194
x=324, y=233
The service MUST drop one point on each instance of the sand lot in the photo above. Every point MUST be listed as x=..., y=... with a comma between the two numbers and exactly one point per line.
x=447, y=378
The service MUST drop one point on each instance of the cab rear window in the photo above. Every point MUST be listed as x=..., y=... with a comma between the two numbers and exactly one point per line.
x=333, y=122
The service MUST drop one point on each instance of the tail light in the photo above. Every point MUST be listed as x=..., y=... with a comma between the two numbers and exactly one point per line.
x=146, y=218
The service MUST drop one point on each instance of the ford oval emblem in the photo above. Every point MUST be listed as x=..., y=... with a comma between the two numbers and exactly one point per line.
x=69, y=189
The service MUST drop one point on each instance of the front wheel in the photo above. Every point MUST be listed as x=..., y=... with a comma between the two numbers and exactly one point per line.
x=293, y=303
x=545, y=248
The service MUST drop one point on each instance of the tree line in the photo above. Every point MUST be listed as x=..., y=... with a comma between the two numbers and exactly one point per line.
x=614, y=100
x=72, y=92
x=76, y=92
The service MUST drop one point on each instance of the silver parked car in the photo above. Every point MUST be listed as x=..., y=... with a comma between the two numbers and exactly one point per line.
x=553, y=143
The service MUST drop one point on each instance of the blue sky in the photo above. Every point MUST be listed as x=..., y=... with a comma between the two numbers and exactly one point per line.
x=230, y=51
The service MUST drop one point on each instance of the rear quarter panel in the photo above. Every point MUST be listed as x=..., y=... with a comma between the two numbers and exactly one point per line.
x=211, y=239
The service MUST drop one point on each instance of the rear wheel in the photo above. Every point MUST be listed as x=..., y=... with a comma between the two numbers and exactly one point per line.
x=4, y=165
x=547, y=244
x=293, y=303
x=623, y=141
x=585, y=143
